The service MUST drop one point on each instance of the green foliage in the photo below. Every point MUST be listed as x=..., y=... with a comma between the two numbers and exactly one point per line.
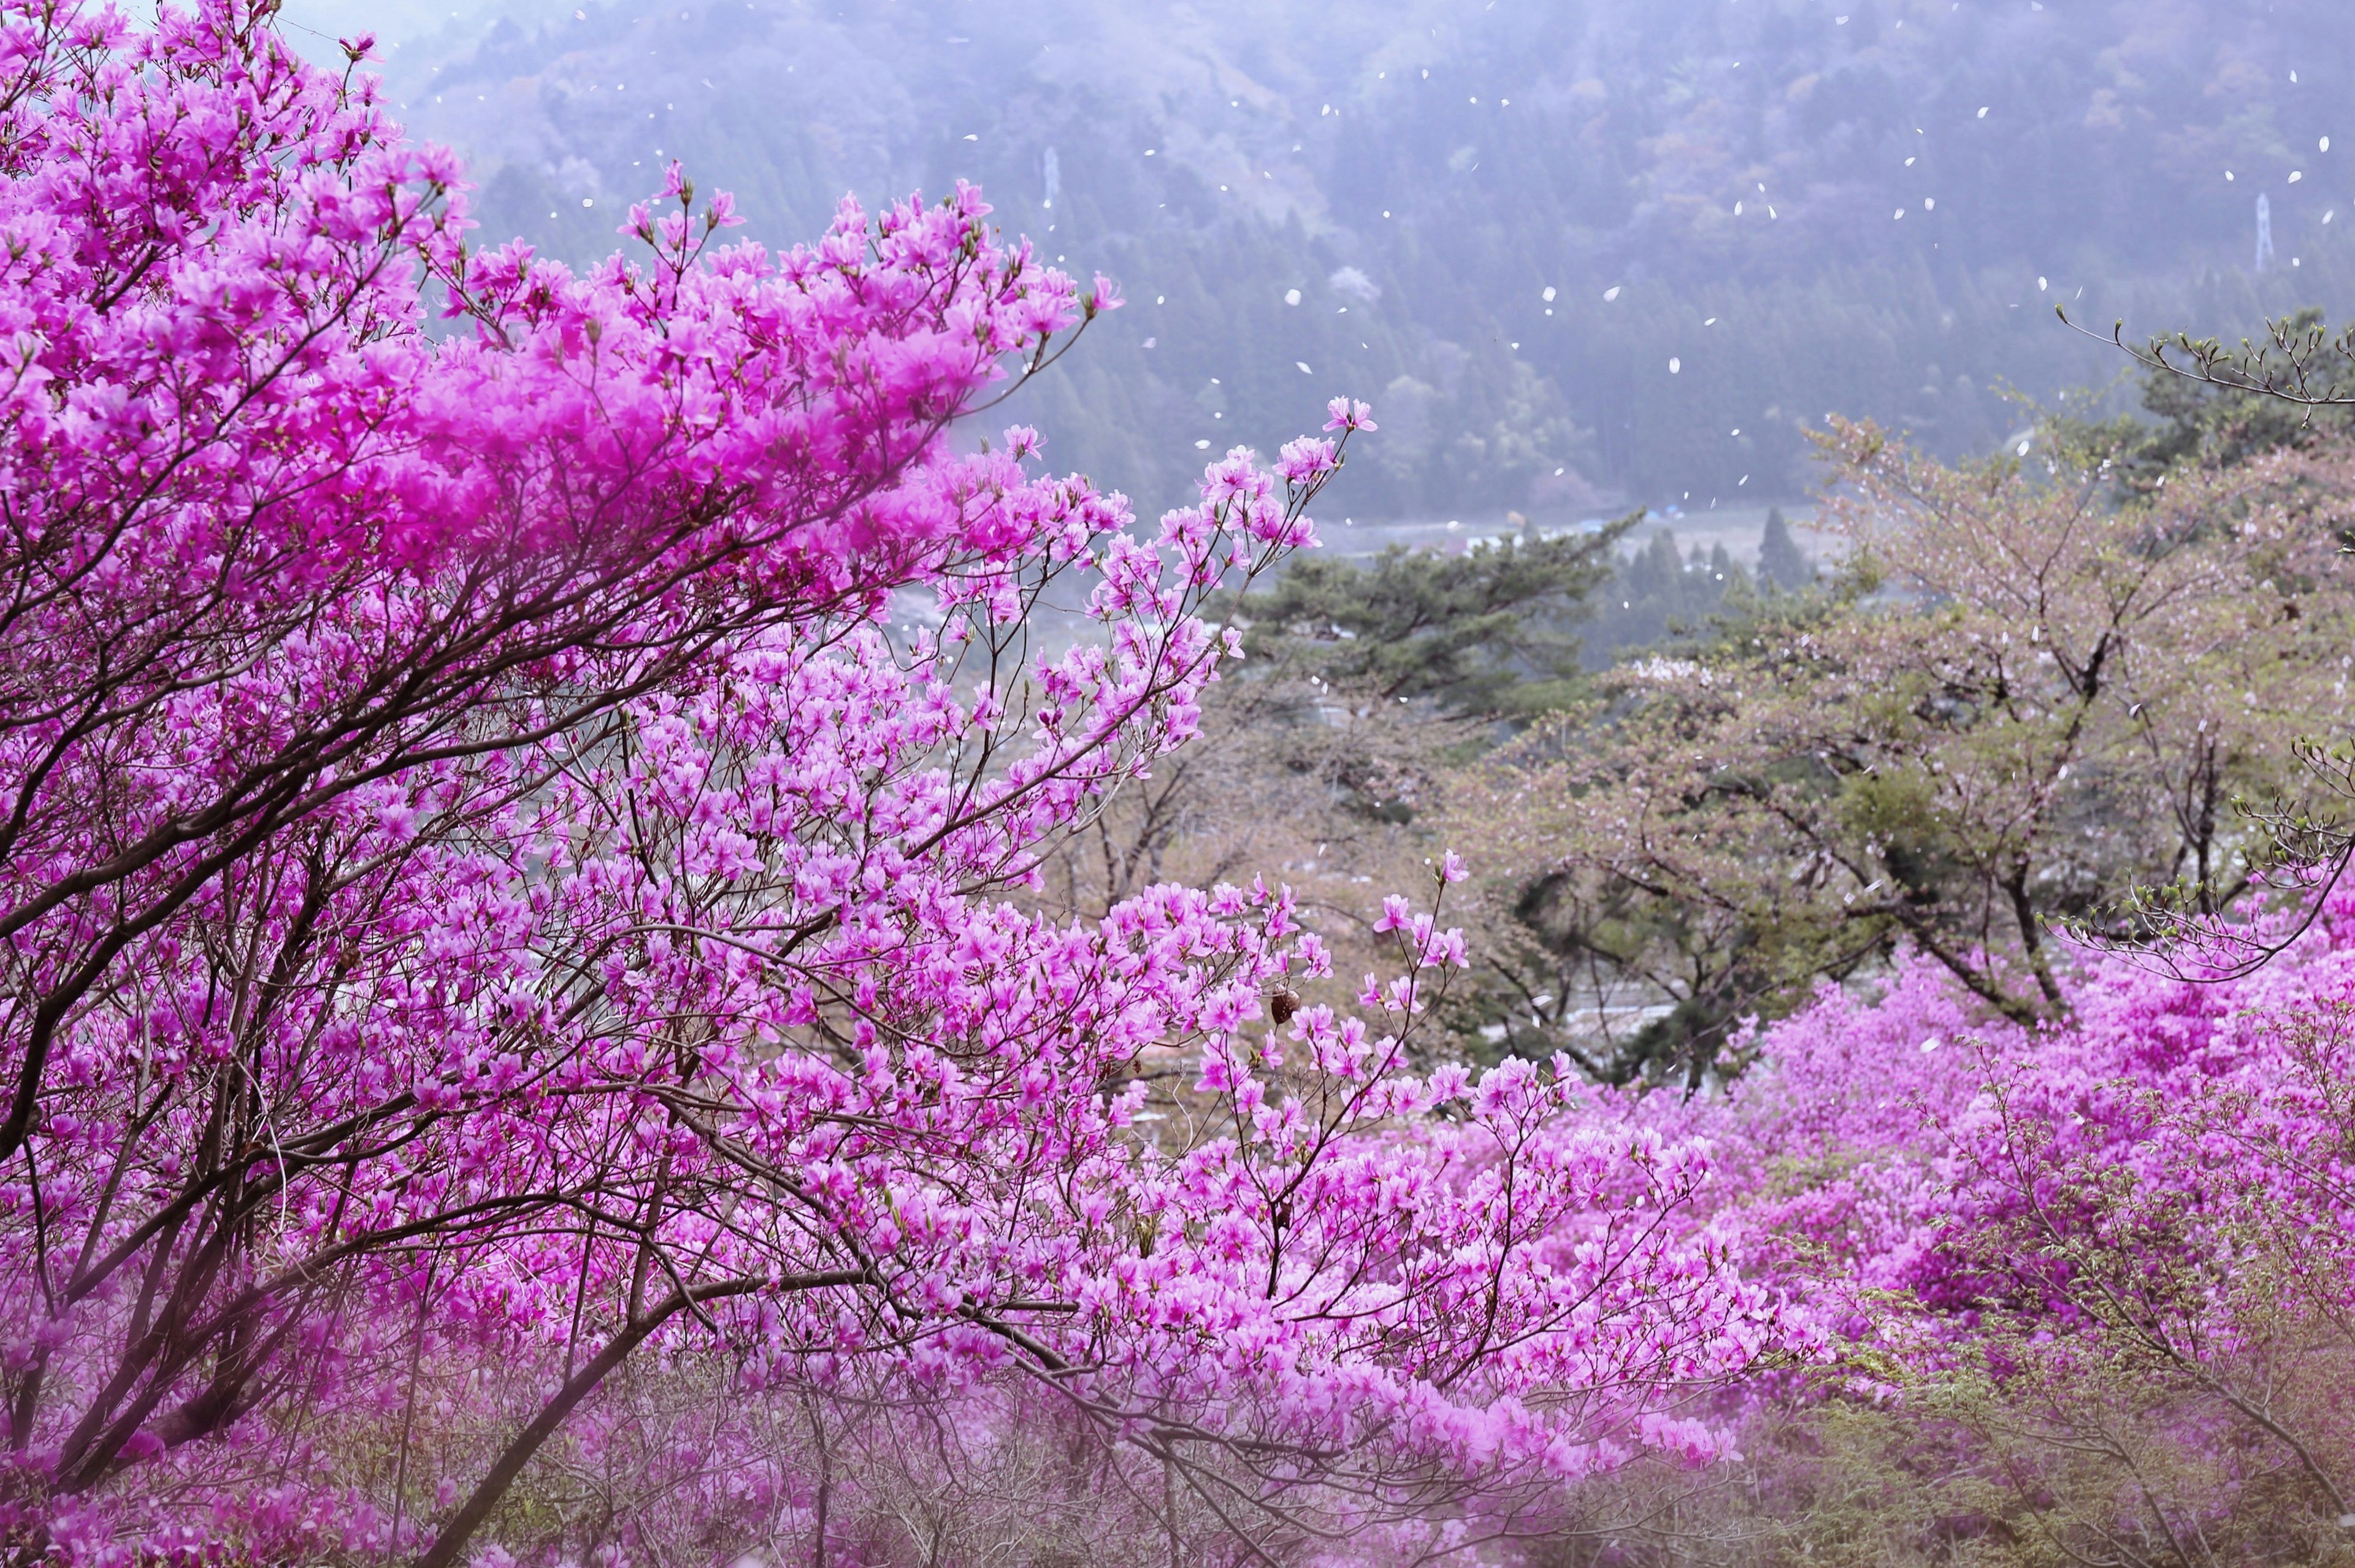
x=1490, y=631
x=1781, y=563
x=2191, y=420
x=1657, y=596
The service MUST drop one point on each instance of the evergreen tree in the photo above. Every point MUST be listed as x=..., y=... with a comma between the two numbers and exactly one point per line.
x=1781, y=563
x=1660, y=595
x=1492, y=630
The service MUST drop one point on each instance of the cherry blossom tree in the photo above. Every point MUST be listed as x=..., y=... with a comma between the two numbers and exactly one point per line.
x=2033, y=696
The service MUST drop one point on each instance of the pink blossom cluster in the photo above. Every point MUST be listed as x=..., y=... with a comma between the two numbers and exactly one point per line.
x=2168, y=1172
x=507, y=857
x=509, y=847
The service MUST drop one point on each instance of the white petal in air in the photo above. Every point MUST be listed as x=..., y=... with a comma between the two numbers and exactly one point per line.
x=1292, y=297
x=1304, y=367
x=1611, y=293
x=1675, y=366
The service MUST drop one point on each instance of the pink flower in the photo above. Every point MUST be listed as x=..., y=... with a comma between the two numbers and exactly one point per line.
x=563, y=784
x=1304, y=459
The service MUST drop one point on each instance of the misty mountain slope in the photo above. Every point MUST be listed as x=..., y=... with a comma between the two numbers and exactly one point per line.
x=1796, y=212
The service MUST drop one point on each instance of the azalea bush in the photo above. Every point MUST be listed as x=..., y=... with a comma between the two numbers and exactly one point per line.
x=537, y=1028
x=511, y=967
x=2086, y=1286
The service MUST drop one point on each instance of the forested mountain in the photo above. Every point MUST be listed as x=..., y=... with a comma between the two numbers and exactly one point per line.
x=1579, y=253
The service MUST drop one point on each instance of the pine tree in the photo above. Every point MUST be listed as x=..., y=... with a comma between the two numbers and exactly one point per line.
x=1494, y=629
x=1781, y=563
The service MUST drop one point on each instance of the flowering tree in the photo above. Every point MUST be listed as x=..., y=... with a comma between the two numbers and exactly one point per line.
x=2053, y=695
x=505, y=859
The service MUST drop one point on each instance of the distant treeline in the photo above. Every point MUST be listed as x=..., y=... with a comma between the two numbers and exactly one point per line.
x=1386, y=198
